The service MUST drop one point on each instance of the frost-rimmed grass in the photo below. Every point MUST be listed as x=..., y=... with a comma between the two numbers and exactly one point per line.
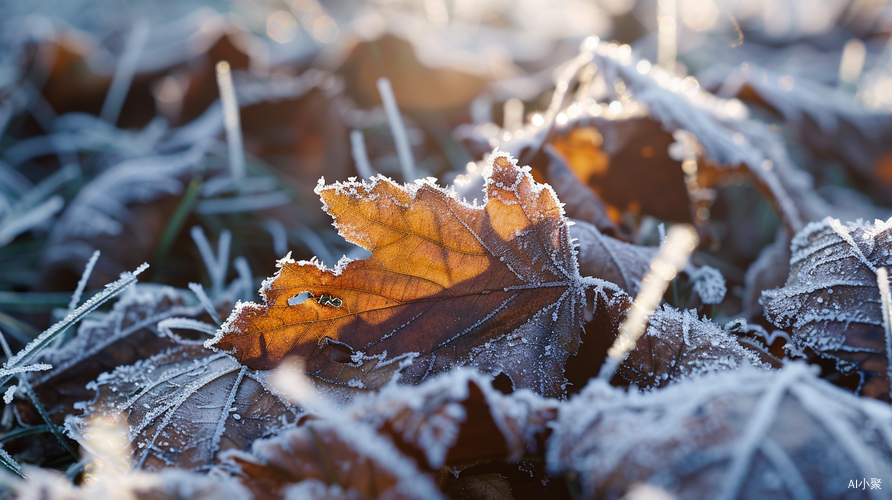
x=216, y=264
x=123, y=78
x=198, y=290
x=673, y=255
x=25, y=386
x=231, y=121
x=398, y=128
x=360, y=155
x=45, y=338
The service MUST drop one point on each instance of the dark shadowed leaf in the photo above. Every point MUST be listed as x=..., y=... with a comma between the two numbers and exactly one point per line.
x=184, y=406
x=831, y=299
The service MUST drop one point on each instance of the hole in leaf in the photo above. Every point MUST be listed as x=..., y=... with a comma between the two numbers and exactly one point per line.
x=299, y=298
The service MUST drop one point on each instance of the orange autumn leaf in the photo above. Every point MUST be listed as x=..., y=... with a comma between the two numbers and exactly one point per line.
x=493, y=286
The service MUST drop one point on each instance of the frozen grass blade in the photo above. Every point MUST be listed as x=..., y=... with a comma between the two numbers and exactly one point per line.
x=398, y=128
x=78, y=292
x=10, y=462
x=166, y=326
x=245, y=276
x=223, y=246
x=198, y=290
x=886, y=300
x=667, y=42
x=216, y=265
x=29, y=391
x=673, y=255
x=279, y=235
x=82, y=283
x=243, y=203
x=851, y=64
x=232, y=122
x=360, y=155
x=15, y=224
x=117, y=92
x=26, y=431
x=44, y=339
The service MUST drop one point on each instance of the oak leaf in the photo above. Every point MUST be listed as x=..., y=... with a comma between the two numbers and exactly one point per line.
x=493, y=286
x=831, y=299
x=743, y=434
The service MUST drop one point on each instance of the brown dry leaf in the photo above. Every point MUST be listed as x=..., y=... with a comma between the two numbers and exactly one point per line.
x=331, y=459
x=742, y=434
x=416, y=86
x=831, y=299
x=580, y=201
x=126, y=334
x=826, y=119
x=185, y=406
x=458, y=419
x=627, y=163
x=678, y=345
x=610, y=259
x=493, y=286
x=615, y=133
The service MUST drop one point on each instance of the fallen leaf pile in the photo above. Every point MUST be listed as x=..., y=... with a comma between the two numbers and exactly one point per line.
x=494, y=301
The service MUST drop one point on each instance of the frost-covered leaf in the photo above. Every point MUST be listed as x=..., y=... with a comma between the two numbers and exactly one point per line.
x=331, y=459
x=831, y=300
x=457, y=419
x=126, y=334
x=709, y=285
x=499, y=282
x=825, y=118
x=417, y=86
x=617, y=131
x=184, y=406
x=170, y=484
x=678, y=345
x=744, y=434
x=610, y=259
x=579, y=200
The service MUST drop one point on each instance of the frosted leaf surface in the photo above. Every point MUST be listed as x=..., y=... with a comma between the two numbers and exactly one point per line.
x=170, y=484
x=709, y=285
x=500, y=281
x=653, y=102
x=456, y=419
x=744, y=434
x=186, y=405
x=826, y=118
x=610, y=259
x=331, y=459
x=678, y=345
x=831, y=300
x=121, y=337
